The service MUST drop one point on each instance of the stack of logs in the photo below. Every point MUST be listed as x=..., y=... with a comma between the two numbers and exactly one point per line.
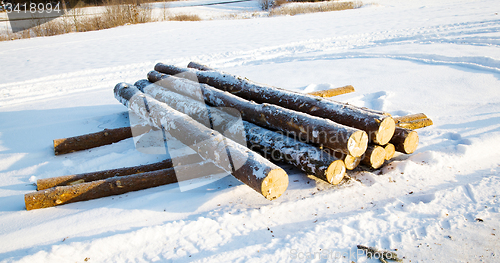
x=316, y=134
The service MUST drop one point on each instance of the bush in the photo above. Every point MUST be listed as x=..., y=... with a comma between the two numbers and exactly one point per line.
x=184, y=17
x=322, y=7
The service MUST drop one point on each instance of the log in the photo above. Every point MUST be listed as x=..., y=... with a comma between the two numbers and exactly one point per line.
x=379, y=127
x=374, y=156
x=415, y=124
x=350, y=161
x=114, y=185
x=310, y=159
x=405, y=140
x=390, y=150
x=410, y=117
x=247, y=166
x=302, y=126
x=273, y=145
x=332, y=92
x=92, y=140
x=46, y=183
x=199, y=66
x=413, y=121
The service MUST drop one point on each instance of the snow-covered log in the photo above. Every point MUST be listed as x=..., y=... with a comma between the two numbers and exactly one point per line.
x=379, y=127
x=273, y=145
x=114, y=185
x=301, y=126
x=247, y=166
x=308, y=158
x=45, y=183
x=92, y=140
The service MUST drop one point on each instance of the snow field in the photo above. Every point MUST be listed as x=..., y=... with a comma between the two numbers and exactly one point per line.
x=439, y=204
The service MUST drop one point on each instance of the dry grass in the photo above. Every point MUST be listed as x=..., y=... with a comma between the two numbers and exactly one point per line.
x=184, y=17
x=116, y=13
x=313, y=8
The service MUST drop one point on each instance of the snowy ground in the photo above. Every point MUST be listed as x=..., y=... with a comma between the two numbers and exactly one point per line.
x=437, y=57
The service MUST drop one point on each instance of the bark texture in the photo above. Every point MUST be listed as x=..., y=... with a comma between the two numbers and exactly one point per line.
x=247, y=166
x=333, y=92
x=113, y=186
x=415, y=124
x=379, y=127
x=273, y=145
x=73, y=179
x=92, y=140
x=405, y=140
x=297, y=124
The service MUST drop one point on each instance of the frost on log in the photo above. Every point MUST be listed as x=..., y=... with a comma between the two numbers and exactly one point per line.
x=247, y=166
x=297, y=124
x=273, y=145
x=379, y=127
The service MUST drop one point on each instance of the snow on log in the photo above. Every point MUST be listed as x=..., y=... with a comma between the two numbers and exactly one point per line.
x=42, y=184
x=332, y=92
x=92, y=140
x=273, y=145
x=247, y=166
x=379, y=127
x=374, y=156
x=114, y=185
x=302, y=126
x=308, y=158
x=405, y=140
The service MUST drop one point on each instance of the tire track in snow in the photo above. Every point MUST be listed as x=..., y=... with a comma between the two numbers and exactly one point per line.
x=484, y=33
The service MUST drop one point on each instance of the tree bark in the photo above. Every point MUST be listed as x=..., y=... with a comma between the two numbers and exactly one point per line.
x=308, y=158
x=415, y=124
x=92, y=140
x=332, y=92
x=114, y=185
x=46, y=183
x=273, y=145
x=247, y=166
x=405, y=140
x=380, y=128
x=297, y=124
x=410, y=117
x=374, y=156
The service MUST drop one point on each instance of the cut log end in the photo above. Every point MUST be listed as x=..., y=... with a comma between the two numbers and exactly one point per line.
x=335, y=172
x=357, y=143
x=275, y=184
x=374, y=157
x=390, y=150
x=411, y=142
x=385, y=131
x=351, y=162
